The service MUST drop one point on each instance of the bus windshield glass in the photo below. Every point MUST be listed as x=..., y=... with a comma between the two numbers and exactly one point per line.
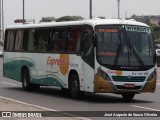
x=125, y=45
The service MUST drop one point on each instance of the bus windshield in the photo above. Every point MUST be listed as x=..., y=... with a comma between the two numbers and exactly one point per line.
x=125, y=46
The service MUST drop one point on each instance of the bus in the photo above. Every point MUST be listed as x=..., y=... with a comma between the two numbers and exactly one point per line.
x=95, y=56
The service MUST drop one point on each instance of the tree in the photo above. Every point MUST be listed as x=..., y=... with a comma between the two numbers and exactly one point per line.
x=69, y=18
x=47, y=19
x=156, y=33
x=61, y=19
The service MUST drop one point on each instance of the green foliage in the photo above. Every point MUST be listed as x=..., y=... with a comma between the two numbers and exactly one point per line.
x=144, y=18
x=61, y=19
x=156, y=34
x=69, y=18
x=47, y=19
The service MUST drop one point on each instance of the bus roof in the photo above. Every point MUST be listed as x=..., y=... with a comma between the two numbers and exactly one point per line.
x=92, y=22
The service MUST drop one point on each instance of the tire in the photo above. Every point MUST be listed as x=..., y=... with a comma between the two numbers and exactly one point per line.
x=74, y=87
x=26, y=82
x=128, y=96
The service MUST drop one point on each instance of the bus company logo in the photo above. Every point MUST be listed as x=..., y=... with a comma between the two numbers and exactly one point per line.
x=62, y=62
x=129, y=77
x=111, y=72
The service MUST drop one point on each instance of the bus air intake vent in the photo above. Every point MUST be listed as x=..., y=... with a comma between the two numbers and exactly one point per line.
x=128, y=78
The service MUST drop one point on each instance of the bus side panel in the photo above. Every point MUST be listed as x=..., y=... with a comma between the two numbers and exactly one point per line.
x=13, y=64
x=53, y=69
x=45, y=71
x=88, y=77
x=75, y=64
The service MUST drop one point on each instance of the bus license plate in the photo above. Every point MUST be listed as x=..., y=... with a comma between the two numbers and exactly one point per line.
x=129, y=85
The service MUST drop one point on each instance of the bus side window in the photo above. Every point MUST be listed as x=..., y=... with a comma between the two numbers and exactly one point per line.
x=73, y=39
x=60, y=35
x=52, y=41
x=70, y=41
x=87, y=46
x=43, y=38
x=10, y=40
x=31, y=40
x=24, y=47
x=89, y=50
x=19, y=40
x=78, y=40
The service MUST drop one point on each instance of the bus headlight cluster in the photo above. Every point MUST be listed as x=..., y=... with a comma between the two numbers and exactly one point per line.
x=152, y=75
x=103, y=74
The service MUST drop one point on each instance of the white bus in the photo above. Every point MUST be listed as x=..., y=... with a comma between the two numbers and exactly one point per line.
x=97, y=56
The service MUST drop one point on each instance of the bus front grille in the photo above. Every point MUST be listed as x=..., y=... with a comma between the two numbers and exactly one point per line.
x=128, y=78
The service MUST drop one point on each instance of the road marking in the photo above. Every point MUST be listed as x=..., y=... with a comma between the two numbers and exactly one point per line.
x=145, y=108
x=158, y=82
x=8, y=83
x=39, y=107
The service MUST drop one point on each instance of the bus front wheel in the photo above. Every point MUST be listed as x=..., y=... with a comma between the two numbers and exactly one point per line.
x=128, y=96
x=26, y=81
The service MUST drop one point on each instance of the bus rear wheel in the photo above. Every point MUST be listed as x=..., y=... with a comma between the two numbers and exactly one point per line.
x=26, y=81
x=128, y=96
x=74, y=87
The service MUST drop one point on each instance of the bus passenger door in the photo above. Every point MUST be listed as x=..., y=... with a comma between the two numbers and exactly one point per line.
x=88, y=64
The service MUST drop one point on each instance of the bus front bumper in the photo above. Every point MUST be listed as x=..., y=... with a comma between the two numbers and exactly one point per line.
x=105, y=86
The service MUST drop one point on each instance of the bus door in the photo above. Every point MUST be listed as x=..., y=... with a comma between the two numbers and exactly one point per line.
x=88, y=64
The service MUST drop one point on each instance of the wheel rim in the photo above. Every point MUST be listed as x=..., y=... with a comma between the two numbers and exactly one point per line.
x=25, y=81
x=74, y=87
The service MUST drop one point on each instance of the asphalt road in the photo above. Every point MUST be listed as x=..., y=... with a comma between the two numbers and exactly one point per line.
x=52, y=98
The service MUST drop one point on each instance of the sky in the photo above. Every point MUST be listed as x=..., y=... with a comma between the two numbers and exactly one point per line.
x=36, y=9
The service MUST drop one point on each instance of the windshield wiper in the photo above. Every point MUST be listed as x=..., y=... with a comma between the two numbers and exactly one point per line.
x=135, y=53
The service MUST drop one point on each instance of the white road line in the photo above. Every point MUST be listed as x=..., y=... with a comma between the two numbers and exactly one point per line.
x=39, y=107
x=144, y=108
x=8, y=83
x=158, y=82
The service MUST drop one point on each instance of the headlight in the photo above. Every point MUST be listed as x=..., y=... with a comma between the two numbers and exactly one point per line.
x=152, y=75
x=103, y=74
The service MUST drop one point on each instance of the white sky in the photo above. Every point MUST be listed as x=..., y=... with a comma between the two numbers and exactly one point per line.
x=36, y=9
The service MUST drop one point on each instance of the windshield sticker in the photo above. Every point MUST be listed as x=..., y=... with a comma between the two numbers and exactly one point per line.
x=117, y=72
x=107, y=53
x=108, y=30
x=138, y=29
